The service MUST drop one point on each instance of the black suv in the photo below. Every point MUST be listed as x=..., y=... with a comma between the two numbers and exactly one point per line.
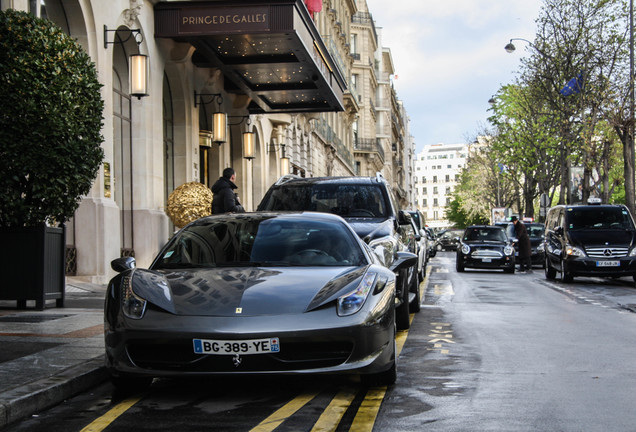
x=369, y=206
x=589, y=240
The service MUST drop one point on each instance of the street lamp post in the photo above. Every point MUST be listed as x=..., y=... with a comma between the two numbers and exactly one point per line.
x=628, y=149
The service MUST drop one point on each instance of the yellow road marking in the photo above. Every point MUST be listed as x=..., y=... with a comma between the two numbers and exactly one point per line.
x=282, y=414
x=331, y=416
x=104, y=421
x=368, y=411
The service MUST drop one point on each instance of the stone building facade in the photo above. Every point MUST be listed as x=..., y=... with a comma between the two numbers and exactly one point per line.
x=273, y=67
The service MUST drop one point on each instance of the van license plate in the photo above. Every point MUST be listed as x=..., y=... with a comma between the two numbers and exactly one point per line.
x=608, y=263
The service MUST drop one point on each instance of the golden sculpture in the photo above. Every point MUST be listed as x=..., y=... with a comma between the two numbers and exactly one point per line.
x=189, y=202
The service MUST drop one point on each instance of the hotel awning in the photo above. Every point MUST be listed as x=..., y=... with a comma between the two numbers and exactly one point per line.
x=268, y=50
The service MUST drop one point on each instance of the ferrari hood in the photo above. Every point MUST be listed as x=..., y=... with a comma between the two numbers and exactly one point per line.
x=245, y=291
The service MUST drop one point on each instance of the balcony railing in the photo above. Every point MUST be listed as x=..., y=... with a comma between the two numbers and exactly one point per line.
x=327, y=133
x=370, y=145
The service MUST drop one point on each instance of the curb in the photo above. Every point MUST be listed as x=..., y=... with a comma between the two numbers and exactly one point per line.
x=36, y=396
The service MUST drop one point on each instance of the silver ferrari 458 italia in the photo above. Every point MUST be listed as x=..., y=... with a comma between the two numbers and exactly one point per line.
x=254, y=293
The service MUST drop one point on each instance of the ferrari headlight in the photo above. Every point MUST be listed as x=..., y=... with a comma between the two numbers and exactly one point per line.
x=465, y=249
x=509, y=250
x=351, y=303
x=132, y=305
x=574, y=251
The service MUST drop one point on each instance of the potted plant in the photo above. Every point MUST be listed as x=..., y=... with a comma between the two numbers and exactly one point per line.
x=50, y=151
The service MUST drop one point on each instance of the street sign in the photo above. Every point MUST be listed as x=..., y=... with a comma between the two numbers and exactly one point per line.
x=545, y=200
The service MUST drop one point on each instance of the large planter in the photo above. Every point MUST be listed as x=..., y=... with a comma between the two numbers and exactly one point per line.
x=32, y=265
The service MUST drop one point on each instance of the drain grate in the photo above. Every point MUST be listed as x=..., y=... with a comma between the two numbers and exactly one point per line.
x=30, y=318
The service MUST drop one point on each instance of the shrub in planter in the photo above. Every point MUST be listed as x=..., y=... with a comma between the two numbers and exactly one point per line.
x=50, y=123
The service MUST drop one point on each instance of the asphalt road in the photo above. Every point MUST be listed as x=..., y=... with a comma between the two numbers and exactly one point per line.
x=488, y=352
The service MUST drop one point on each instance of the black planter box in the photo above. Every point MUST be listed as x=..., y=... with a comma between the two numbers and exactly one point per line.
x=32, y=264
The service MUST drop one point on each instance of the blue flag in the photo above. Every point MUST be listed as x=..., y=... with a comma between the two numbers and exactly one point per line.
x=575, y=85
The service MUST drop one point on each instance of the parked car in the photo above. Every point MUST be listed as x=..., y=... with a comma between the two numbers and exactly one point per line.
x=254, y=293
x=369, y=206
x=432, y=242
x=423, y=249
x=536, y=232
x=448, y=240
x=590, y=240
x=485, y=247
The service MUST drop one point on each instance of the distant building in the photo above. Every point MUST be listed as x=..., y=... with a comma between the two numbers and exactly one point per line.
x=437, y=171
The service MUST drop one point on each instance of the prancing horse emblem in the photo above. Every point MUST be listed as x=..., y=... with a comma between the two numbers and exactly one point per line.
x=236, y=360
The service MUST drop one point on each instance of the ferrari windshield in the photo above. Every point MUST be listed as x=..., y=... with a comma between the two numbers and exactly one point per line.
x=593, y=217
x=262, y=241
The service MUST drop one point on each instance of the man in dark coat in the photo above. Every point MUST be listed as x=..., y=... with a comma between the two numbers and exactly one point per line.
x=523, y=245
x=224, y=199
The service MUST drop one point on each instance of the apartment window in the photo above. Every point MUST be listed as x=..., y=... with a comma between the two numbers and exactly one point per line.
x=449, y=166
x=434, y=179
x=447, y=178
x=415, y=179
x=424, y=203
x=424, y=191
x=435, y=190
x=448, y=190
x=435, y=202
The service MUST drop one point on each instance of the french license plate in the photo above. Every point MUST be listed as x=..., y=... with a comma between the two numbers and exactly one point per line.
x=229, y=347
x=608, y=263
x=486, y=260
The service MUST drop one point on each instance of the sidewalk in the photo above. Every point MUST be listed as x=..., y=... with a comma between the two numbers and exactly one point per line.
x=48, y=356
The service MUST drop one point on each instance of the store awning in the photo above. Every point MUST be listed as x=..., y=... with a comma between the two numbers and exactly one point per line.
x=270, y=51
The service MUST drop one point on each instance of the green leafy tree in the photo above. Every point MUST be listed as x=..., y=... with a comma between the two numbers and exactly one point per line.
x=460, y=218
x=484, y=183
x=50, y=122
x=583, y=43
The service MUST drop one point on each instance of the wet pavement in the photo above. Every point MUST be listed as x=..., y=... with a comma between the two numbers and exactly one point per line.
x=49, y=355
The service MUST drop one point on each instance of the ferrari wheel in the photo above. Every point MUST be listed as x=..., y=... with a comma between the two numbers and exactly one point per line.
x=385, y=378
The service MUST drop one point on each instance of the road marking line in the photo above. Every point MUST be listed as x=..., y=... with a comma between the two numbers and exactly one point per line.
x=104, y=421
x=368, y=411
x=282, y=414
x=331, y=416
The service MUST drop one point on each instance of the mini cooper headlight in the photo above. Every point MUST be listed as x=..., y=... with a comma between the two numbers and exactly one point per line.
x=574, y=251
x=509, y=250
x=465, y=249
x=132, y=305
x=351, y=303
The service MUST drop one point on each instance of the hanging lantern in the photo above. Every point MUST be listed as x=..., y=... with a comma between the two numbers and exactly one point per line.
x=139, y=72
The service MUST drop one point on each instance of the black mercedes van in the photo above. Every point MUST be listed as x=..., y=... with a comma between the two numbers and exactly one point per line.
x=590, y=240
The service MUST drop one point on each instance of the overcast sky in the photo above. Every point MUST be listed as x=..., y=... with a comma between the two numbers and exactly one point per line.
x=449, y=59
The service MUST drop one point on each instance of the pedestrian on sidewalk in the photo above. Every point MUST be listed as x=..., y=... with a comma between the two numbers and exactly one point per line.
x=523, y=245
x=224, y=199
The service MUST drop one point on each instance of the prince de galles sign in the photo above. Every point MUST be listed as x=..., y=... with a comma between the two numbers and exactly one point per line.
x=231, y=20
